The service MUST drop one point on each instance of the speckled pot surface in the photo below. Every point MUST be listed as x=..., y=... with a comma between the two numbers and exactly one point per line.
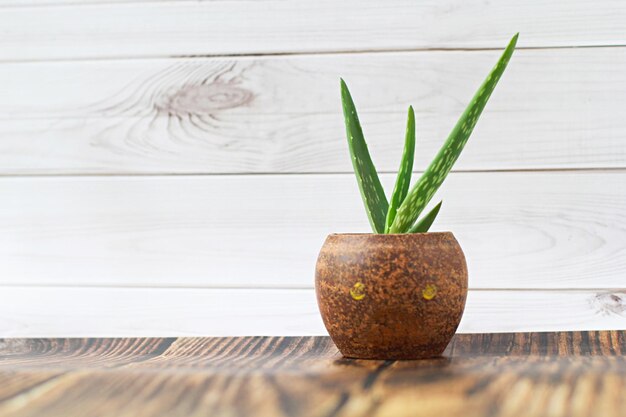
x=398, y=296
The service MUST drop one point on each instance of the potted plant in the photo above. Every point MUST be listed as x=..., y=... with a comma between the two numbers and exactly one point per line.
x=398, y=293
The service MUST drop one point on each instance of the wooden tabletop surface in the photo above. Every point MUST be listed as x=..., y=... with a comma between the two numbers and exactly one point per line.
x=522, y=374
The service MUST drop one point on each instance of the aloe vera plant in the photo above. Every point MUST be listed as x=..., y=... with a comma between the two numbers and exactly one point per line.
x=401, y=213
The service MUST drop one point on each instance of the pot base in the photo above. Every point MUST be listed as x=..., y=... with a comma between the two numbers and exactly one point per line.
x=394, y=355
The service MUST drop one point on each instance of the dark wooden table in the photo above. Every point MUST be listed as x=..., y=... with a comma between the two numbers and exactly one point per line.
x=523, y=374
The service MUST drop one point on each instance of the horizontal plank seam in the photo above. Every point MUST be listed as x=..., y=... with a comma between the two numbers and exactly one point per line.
x=252, y=174
x=300, y=53
x=278, y=288
x=78, y=3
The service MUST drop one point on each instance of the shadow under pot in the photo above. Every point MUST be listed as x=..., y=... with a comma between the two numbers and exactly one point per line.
x=391, y=296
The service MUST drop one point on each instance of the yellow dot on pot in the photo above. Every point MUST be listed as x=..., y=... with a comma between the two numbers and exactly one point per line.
x=429, y=292
x=357, y=292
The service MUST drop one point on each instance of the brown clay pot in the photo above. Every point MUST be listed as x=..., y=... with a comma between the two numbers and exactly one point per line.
x=396, y=296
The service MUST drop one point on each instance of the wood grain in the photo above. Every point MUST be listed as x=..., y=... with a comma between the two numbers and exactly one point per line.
x=553, y=109
x=175, y=28
x=30, y=3
x=518, y=230
x=76, y=312
x=530, y=374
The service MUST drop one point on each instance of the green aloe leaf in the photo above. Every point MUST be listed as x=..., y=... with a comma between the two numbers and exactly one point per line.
x=435, y=174
x=403, y=181
x=425, y=222
x=372, y=190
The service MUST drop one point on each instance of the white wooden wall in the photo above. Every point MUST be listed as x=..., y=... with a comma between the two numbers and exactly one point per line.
x=173, y=167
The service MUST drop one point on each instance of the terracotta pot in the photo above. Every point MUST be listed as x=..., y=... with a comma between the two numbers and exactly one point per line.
x=398, y=296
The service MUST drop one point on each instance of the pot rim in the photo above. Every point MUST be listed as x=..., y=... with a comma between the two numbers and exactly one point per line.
x=392, y=234
x=392, y=238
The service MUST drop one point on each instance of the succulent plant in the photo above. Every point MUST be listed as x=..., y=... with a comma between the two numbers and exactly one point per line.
x=401, y=213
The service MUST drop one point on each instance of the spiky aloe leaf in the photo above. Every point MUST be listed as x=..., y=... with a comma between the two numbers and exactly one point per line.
x=403, y=180
x=425, y=222
x=372, y=190
x=435, y=174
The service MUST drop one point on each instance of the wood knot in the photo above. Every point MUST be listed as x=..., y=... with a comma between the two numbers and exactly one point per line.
x=609, y=303
x=204, y=99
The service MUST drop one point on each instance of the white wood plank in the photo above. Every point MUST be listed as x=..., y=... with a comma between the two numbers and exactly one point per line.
x=137, y=312
x=553, y=109
x=250, y=27
x=29, y=3
x=519, y=230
